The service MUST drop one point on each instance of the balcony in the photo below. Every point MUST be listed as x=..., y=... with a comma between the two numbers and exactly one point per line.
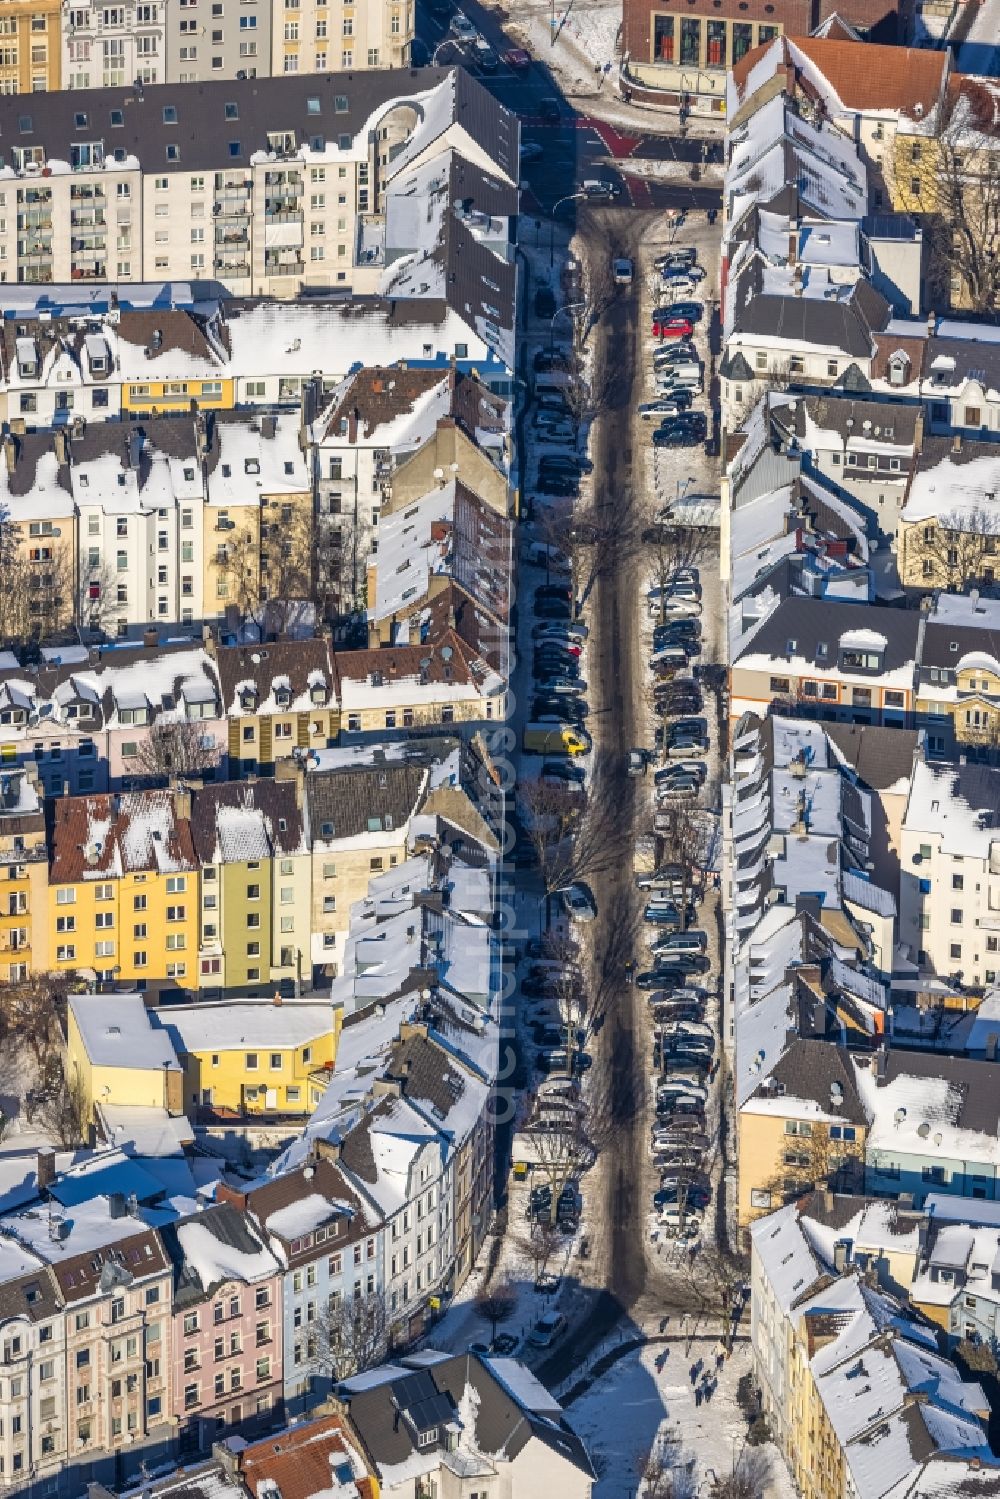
x=233, y=236
x=89, y=272
x=82, y=193
x=36, y=222
x=33, y=195
x=275, y=267
x=87, y=218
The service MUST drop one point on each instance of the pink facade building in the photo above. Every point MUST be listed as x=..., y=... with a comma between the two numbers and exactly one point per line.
x=226, y=1355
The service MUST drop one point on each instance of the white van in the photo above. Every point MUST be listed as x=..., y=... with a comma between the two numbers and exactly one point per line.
x=686, y=376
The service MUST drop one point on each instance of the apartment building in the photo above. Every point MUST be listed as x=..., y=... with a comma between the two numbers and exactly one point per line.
x=123, y=880
x=817, y=1323
x=226, y=1333
x=949, y=535
x=279, y=699
x=950, y=872
x=407, y=1423
x=360, y=821
x=24, y=936
x=251, y=1057
x=102, y=719
x=256, y=886
x=958, y=683
x=165, y=42
x=30, y=47
x=844, y=661
x=267, y=187
x=329, y=1242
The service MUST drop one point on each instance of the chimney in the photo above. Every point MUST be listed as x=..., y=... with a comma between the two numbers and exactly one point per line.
x=931, y=324
x=793, y=244
x=10, y=452
x=45, y=1169
x=956, y=443
x=182, y=802
x=840, y=1256
x=61, y=445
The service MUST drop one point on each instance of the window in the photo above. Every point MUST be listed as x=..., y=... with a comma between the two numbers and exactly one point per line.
x=956, y=916
x=251, y=1061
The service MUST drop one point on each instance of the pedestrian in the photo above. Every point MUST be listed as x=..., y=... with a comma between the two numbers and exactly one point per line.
x=664, y=1324
x=697, y=1396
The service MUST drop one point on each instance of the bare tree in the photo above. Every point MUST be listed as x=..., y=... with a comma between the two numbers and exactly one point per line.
x=574, y=838
x=180, y=748
x=356, y=1330
x=668, y=550
x=954, y=550
x=574, y=1136
x=36, y=585
x=287, y=559
x=496, y=1303
x=684, y=829
x=31, y=1011
x=963, y=196
x=540, y=1243
x=64, y=1113
x=749, y=1478
x=663, y=1472
x=716, y=1280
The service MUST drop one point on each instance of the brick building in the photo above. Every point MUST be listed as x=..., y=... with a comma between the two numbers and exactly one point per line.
x=678, y=51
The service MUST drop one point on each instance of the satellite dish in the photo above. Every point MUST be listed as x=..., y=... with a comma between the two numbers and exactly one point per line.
x=439, y=473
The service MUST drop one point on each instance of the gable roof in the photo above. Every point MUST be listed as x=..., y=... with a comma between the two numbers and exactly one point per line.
x=348, y=801
x=303, y=1462
x=237, y=821
x=118, y=834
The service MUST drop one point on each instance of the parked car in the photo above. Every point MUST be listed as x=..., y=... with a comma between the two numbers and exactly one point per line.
x=674, y=355
x=462, y=28
x=576, y=631
x=675, y=437
x=693, y=311
x=578, y=902
x=682, y=255
x=563, y=770
x=547, y=1329
x=666, y=406
x=517, y=57
x=666, y=325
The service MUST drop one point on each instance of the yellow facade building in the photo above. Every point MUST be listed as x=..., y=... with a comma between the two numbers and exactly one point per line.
x=30, y=46
x=124, y=891
x=119, y=1057
x=254, y=1057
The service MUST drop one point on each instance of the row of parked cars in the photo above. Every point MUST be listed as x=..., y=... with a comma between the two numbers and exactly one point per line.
x=677, y=367
x=676, y=968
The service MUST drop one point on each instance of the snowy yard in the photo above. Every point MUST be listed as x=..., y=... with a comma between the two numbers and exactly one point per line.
x=636, y=1404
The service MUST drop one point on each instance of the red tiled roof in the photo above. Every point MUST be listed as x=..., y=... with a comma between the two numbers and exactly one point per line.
x=137, y=830
x=865, y=76
x=300, y=1461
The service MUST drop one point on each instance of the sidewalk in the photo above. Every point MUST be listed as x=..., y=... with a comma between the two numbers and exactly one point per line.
x=586, y=43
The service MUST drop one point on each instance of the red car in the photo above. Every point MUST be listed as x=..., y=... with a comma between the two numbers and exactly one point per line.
x=516, y=57
x=672, y=327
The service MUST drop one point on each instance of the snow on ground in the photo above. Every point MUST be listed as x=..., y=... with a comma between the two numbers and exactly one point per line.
x=980, y=52
x=585, y=36
x=635, y=1403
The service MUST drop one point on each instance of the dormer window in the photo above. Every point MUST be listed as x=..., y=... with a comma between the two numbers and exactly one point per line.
x=282, y=696
x=861, y=661
x=427, y=1438
x=248, y=698
x=791, y=646
x=899, y=366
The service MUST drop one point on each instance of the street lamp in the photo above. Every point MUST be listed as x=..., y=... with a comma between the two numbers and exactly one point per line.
x=552, y=223
x=566, y=307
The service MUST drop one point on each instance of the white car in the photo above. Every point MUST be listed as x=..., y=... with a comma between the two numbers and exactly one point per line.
x=547, y=1329
x=578, y=903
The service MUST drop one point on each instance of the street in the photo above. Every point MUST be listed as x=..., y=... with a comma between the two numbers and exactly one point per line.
x=575, y=147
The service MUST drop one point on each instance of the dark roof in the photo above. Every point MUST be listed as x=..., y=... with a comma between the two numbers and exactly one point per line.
x=474, y=406
x=847, y=417
x=955, y=452
x=445, y=660
x=808, y=1069
x=940, y=637
x=811, y=622
x=322, y=1178
x=262, y=665
x=349, y=800
x=279, y=816
x=427, y=1075
x=208, y=140
x=973, y=1080
x=133, y=1258
x=233, y=1232
x=373, y=396
x=880, y=756
x=28, y=450
x=975, y=359
x=34, y=1296
x=502, y=1424
x=846, y=324
x=296, y=1463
